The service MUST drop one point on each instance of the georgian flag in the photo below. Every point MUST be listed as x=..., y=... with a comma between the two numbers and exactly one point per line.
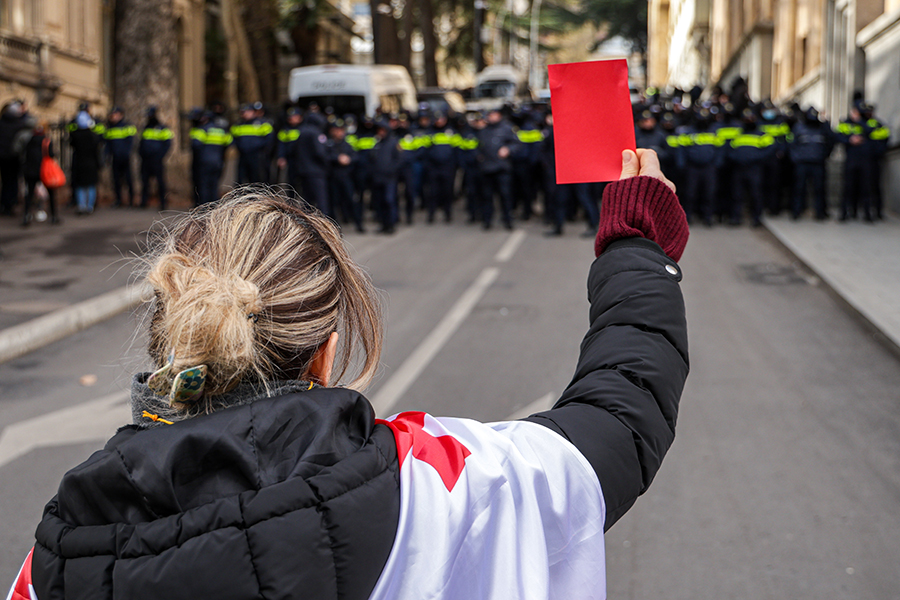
x=22, y=588
x=497, y=510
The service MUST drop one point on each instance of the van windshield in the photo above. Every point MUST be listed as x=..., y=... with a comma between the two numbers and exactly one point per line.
x=495, y=89
x=342, y=105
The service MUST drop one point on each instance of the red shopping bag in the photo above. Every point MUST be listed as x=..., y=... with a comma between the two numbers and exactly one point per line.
x=52, y=175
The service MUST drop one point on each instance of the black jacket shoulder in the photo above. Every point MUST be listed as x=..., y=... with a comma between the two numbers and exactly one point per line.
x=294, y=496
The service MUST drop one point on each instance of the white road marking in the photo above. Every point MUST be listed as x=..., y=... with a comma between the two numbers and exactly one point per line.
x=96, y=420
x=543, y=403
x=409, y=371
x=509, y=247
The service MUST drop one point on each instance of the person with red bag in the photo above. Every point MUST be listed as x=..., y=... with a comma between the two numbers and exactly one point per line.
x=38, y=149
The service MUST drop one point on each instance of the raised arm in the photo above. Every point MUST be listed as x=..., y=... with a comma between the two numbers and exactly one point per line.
x=620, y=408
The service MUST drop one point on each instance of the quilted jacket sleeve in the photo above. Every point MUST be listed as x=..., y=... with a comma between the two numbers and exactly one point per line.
x=621, y=406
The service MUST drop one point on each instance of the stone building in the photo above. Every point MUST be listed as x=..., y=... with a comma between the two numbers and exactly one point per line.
x=56, y=54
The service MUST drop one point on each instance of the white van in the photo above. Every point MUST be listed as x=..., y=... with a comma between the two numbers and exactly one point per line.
x=498, y=85
x=354, y=89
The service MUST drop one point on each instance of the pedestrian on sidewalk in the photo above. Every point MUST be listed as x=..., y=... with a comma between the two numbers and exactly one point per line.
x=33, y=155
x=250, y=472
x=85, y=143
x=14, y=121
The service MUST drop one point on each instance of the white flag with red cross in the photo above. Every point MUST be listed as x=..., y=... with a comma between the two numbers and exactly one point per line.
x=496, y=510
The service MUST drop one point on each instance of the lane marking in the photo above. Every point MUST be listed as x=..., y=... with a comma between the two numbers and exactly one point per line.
x=96, y=420
x=510, y=246
x=543, y=403
x=409, y=371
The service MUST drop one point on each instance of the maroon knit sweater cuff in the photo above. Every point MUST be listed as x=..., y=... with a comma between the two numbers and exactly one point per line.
x=642, y=207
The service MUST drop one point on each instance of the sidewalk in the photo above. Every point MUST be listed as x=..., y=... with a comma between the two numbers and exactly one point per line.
x=58, y=279
x=860, y=262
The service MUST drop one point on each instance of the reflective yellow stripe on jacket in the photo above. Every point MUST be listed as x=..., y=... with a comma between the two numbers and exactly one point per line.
x=157, y=135
x=749, y=140
x=120, y=133
x=530, y=136
x=252, y=129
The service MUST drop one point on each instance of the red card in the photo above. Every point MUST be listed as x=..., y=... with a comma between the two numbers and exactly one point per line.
x=592, y=119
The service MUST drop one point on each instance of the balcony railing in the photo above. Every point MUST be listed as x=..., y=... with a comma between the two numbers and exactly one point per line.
x=21, y=50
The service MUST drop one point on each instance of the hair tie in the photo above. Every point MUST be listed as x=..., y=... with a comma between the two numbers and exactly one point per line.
x=253, y=316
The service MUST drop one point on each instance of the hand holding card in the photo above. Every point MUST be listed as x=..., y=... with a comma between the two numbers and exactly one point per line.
x=592, y=119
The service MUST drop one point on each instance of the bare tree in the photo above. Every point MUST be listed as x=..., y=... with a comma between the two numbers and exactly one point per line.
x=146, y=59
x=243, y=83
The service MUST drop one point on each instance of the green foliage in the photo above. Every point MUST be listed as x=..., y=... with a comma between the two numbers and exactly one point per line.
x=626, y=18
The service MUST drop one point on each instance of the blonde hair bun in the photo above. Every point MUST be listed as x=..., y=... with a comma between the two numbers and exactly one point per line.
x=252, y=287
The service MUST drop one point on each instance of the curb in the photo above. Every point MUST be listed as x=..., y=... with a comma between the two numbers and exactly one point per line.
x=29, y=336
x=869, y=320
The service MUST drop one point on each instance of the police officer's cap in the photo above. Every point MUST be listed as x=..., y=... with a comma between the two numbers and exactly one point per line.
x=647, y=115
x=246, y=107
x=668, y=118
x=294, y=111
x=151, y=110
x=83, y=106
x=194, y=114
x=117, y=109
x=336, y=124
x=748, y=113
x=348, y=119
x=257, y=105
x=439, y=115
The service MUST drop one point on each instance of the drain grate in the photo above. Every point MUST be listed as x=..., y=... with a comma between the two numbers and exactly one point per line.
x=773, y=274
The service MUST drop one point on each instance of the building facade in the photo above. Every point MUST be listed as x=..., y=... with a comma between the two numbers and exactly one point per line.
x=56, y=54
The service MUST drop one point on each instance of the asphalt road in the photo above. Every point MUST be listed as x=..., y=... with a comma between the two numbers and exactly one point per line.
x=783, y=482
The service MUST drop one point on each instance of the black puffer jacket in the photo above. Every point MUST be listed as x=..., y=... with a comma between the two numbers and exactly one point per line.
x=298, y=496
x=290, y=497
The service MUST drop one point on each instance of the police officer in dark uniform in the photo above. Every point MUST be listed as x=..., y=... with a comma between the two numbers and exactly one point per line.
x=670, y=155
x=441, y=161
x=311, y=156
x=526, y=162
x=772, y=123
x=702, y=152
x=468, y=146
x=749, y=153
x=288, y=138
x=496, y=143
x=853, y=133
x=252, y=136
x=341, y=157
x=209, y=140
x=119, y=141
x=384, y=165
x=810, y=144
x=363, y=141
x=878, y=140
x=156, y=141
